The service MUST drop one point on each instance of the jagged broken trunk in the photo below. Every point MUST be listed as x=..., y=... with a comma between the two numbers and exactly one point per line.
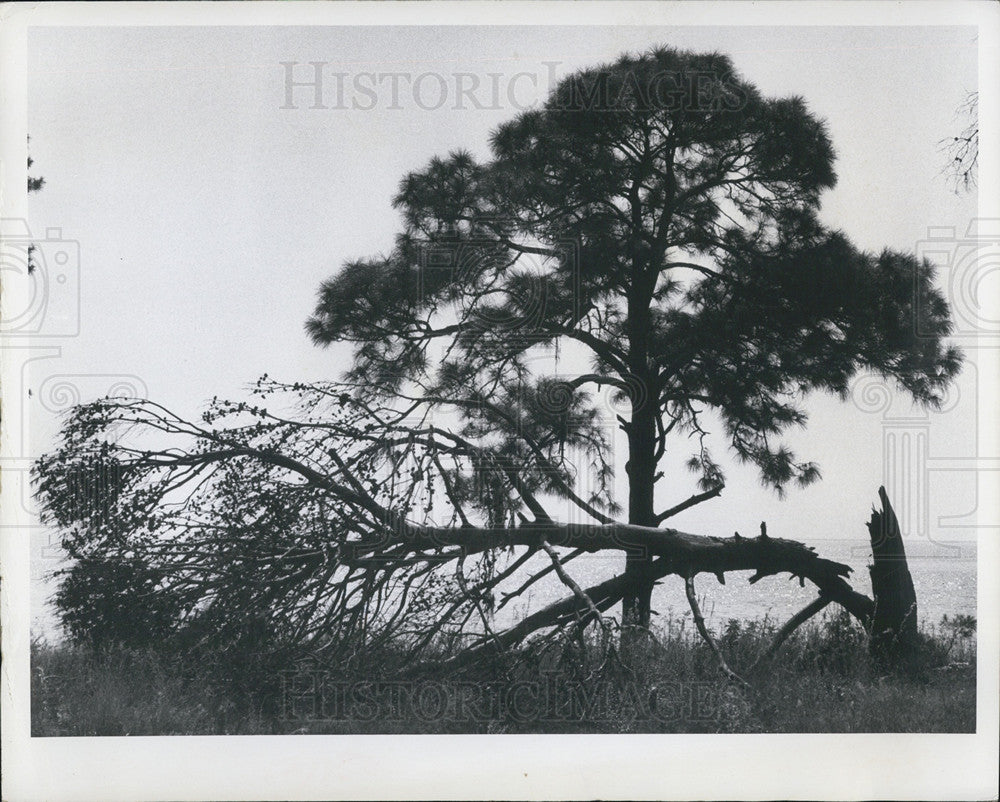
x=893, y=627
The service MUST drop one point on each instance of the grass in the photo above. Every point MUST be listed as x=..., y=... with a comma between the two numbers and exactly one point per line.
x=821, y=681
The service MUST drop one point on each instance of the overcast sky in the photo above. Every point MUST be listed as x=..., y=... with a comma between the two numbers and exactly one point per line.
x=207, y=214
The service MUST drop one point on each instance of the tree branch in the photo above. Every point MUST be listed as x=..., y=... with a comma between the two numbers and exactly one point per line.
x=793, y=623
x=698, y=498
x=569, y=582
x=699, y=622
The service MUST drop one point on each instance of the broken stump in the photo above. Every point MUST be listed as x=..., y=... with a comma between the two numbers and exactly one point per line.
x=893, y=629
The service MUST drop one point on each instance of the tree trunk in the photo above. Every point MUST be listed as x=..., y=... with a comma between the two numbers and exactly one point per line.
x=893, y=630
x=641, y=469
x=641, y=465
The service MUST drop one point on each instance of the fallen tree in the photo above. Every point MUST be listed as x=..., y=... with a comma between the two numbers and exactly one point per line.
x=271, y=516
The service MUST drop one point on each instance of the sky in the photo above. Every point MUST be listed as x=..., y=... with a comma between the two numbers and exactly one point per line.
x=207, y=212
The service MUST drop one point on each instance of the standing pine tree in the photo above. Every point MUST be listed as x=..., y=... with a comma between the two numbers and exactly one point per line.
x=662, y=213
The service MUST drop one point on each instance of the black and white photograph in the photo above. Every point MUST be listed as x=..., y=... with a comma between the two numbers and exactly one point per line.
x=380, y=372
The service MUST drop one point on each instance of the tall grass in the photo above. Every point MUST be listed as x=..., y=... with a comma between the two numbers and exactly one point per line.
x=820, y=681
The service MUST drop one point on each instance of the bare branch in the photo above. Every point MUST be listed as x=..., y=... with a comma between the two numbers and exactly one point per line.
x=698, y=498
x=699, y=622
x=793, y=623
x=569, y=582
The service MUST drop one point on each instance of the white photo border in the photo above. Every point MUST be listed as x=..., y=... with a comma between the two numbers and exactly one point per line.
x=906, y=766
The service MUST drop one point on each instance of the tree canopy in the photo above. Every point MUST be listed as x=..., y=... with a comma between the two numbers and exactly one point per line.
x=658, y=215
